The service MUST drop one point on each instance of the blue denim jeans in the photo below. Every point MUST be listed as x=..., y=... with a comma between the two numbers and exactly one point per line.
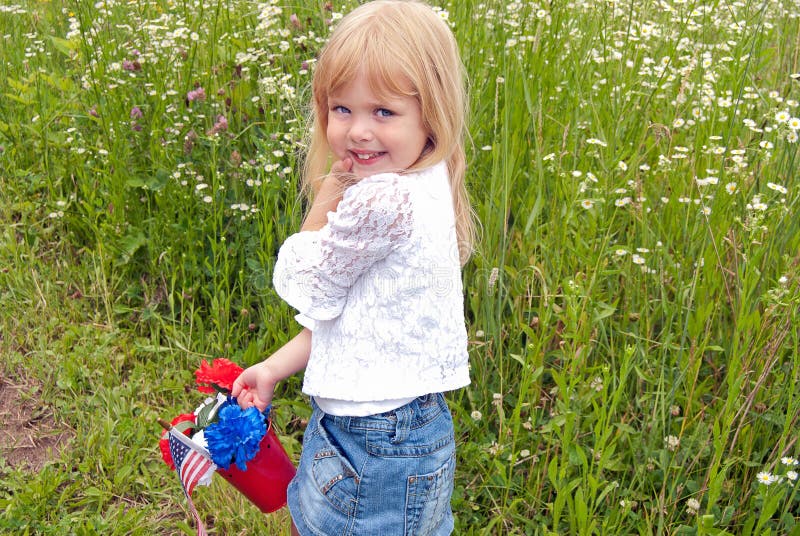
x=389, y=474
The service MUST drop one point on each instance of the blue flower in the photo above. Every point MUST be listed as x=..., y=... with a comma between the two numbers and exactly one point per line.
x=236, y=436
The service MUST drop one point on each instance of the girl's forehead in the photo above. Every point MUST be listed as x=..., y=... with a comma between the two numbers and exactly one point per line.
x=380, y=84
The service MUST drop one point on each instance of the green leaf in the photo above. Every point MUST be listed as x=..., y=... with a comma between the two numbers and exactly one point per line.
x=62, y=45
x=206, y=415
x=184, y=425
x=127, y=246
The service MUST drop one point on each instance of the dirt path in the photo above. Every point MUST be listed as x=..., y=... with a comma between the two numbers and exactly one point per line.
x=29, y=434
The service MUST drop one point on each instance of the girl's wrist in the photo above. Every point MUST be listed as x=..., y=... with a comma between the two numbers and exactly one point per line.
x=326, y=200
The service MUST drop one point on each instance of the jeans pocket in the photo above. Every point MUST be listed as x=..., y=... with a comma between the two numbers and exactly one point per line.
x=428, y=500
x=333, y=475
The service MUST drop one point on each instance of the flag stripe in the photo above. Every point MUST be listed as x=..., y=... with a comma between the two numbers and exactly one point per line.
x=191, y=463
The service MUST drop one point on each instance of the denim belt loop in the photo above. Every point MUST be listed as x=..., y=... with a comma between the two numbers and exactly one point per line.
x=404, y=416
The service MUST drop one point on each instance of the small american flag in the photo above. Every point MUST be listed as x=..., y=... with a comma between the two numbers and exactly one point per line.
x=192, y=464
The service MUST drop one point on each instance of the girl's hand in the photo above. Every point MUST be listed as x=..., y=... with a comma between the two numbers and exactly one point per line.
x=255, y=386
x=341, y=170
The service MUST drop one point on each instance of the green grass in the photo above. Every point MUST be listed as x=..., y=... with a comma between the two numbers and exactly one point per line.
x=632, y=304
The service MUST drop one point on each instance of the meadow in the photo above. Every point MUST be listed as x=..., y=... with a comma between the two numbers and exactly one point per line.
x=633, y=303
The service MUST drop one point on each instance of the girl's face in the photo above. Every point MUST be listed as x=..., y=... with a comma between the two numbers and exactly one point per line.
x=379, y=134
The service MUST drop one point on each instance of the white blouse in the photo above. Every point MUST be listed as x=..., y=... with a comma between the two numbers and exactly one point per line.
x=380, y=288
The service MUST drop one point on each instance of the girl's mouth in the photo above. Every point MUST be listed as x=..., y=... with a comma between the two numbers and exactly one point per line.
x=366, y=158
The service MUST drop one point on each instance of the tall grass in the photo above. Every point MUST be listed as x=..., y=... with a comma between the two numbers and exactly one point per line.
x=633, y=303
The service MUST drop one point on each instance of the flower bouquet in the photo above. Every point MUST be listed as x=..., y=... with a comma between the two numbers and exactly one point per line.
x=221, y=437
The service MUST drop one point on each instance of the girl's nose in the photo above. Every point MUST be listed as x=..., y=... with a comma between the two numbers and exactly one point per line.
x=360, y=130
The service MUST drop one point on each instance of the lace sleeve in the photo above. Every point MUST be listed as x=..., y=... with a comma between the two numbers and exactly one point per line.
x=315, y=269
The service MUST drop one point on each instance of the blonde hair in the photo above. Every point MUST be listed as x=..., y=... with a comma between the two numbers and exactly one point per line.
x=399, y=43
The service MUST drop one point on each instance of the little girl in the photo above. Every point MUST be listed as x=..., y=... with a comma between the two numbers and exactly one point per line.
x=375, y=274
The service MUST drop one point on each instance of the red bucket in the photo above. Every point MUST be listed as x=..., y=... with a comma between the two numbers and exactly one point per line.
x=267, y=475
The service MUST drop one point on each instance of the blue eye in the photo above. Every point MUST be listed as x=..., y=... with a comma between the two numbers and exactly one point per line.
x=341, y=109
x=383, y=112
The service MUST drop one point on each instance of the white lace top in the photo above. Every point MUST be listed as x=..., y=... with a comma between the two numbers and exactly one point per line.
x=380, y=288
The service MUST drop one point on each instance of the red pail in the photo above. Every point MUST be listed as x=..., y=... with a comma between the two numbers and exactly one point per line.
x=267, y=475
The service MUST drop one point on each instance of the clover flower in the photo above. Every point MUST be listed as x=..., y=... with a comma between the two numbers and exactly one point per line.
x=198, y=94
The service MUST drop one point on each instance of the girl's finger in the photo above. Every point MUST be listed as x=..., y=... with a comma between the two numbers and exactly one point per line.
x=342, y=166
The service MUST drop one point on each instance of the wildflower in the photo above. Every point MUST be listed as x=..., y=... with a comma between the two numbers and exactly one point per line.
x=794, y=123
x=198, y=94
x=476, y=415
x=220, y=125
x=787, y=460
x=493, y=275
x=486, y=148
x=792, y=475
x=587, y=203
x=766, y=478
x=622, y=165
x=295, y=20
x=131, y=66
x=791, y=137
x=620, y=252
x=706, y=211
x=622, y=202
x=637, y=259
x=731, y=188
x=595, y=141
x=707, y=181
x=672, y=443
x=136, y=113
x=777, y=187
x=692, y=505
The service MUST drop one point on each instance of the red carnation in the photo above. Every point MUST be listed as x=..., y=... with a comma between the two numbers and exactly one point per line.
x=219, y=376
x=163, y=444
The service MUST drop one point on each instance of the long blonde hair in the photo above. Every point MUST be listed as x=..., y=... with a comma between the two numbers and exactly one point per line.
x=399, y=43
